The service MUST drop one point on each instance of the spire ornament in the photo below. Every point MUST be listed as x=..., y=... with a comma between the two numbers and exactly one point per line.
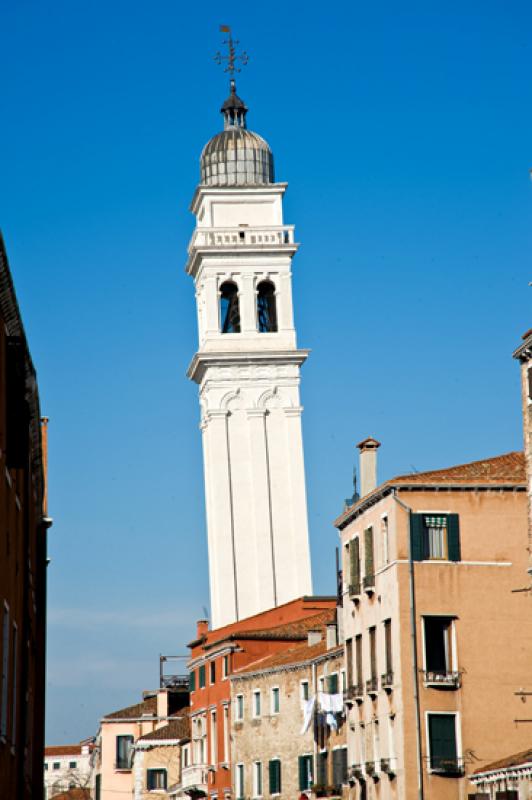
x=234, y=109
x=231, y=56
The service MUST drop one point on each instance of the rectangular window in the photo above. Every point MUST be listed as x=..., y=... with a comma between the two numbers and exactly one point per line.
x=435, y=537
x=339, y=761
x=212, y=672
x=439, y=656
x=388, y=646
x=72, y=764
x=305, y=772
x=349, y=661
x=274, y=768
x=4, y=696
x=201, y=677
x=303, y=691
x=214, y=738
x=124, y=746
x=275, y=702
x=369, y=565
x=443, y=755
x=332, y=683
x=385, y=541
x=155, y=779
x=226, y=734
x=56, y=765
x=358, y=648
x=322, y=770
x=225, y=666
x=354, y=566
x=257, y=779
x=373, y=652
x=98, y=787
x=240, y=781
x=256, y=703
x=192, y=681
x=239, y=707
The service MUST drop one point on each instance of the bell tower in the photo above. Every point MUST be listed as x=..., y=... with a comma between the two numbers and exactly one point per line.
x=247, y=368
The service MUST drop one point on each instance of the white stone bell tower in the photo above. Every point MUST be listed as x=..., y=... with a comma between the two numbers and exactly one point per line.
x=247, y=368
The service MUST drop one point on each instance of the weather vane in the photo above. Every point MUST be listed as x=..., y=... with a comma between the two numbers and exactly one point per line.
x=232, y=56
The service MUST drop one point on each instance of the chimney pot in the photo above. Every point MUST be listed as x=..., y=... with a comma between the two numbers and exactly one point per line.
x=332, y=635
x=368, y=465
x=314, y=637
x=202, y=627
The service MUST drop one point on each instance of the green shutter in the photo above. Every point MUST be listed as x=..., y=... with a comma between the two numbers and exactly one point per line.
x=453, y=537
x=354, y=559
x=202, y=676
x=302, y=768
x=442, y=734
x=332, y=684
x=192, y=681
x=368, y=551
x=322, y=769
x=274, y=770
x=416, y=537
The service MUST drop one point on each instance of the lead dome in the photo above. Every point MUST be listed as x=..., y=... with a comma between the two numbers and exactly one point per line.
x=236, y=156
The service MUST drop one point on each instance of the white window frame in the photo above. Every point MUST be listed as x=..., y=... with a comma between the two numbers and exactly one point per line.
x=239, y=708
x=457, y=734
x=258, y=791
x=274, y=712
x=239, y=780
x=454, y=653
x=321, y=683
x=225, y=666
x=211, y=662
x=254, y=713
x=385, y=539
x=226, y=733
x=214, y=738
x=302, y=685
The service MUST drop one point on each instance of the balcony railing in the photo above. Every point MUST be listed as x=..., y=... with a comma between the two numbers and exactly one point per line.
x=261, y=235
x=372, y=686
x=447, y=766
x=194, y=777
x=369, y=583
x=387, y=680
x=354, y=590
x=356, y=772
x=355, y=692
x=371, y=768
x=442, y=678
x=174, y=681
x=388, y=766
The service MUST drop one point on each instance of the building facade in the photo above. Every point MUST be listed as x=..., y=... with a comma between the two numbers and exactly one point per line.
x=23, y=532
x=156, y=761
x=431, y=562
x=288, y=732
x=247, y=369
x=524, y=355
x=67, y=767
x=215, y=656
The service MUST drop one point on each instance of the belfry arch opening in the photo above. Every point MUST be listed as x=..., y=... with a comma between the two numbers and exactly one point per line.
x=229, y=308
x=266, y=307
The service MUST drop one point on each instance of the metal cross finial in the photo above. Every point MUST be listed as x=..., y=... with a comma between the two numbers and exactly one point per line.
x=232, y=56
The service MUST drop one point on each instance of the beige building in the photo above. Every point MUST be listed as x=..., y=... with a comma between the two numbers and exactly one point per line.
x=431, y=562
x=156, y=758
x=288, y=733
x=66, y=767
x=114, y=770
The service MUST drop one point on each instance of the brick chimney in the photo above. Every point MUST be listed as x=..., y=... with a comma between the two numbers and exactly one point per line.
x=368, y=465
x=314, y=637
x=202, y=628
x=332, y=635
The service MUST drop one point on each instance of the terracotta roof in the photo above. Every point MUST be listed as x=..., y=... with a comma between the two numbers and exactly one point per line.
x=178, y=728
x=74, y=794
x=148, y=706
x=524, y=757
x=288, y=631
x=63, y=750
x=506, y=470
x=295, y=655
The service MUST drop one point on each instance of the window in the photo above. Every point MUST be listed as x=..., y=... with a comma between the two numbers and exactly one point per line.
x=529, y=377
x=229, y=308
x=322, y=770
x=123, y=752
x=45, y=767
x=214, y=738
x=440, y=659
x=225, y=667
x=354, y=566
x=240, y=781
x=201, y=677
x=256, y=703
x=339, y=761
x=443, y=755
x=212, y=672
x=332, y=683
x=349, y=661
x=239, y=707
x=305, y=772
x=4, y=696
x=303, y=691
x=56, y=765
x=275, y=700
x=388, y=649
x=369, y=565
x=266, y=307
x=184, y=755
x=435, y=536
x=155, y=779
x=385, y=541
x=192, y=681
x=373, y=652
x=358, y=650
x=72, y=764
x=257, y=779
x=226, y=734
x=274, y=769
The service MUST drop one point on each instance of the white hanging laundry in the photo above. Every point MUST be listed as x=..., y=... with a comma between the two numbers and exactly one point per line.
x=325, y=701
x=331, y=721
x=307, y=717
x=337, y=703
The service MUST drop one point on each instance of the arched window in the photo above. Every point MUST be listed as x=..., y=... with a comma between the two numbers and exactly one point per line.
x=229, y=308
x=266, y=307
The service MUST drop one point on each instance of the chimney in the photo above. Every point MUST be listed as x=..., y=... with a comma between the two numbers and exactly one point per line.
x=202, y=628
x=368, y=465
x=332, y=635
x=162, y=704
x=314, y=637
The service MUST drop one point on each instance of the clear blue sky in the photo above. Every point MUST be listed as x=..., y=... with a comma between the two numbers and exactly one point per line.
x=405, y=133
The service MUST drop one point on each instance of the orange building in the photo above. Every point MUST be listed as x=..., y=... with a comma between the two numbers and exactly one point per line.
x=215, y=655
x=23, y=525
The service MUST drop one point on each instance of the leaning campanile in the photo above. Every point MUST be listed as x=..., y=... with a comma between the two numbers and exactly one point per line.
x=247, y=368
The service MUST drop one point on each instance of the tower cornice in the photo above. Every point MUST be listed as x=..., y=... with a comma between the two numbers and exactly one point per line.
x=203, y=361
x=203, y=189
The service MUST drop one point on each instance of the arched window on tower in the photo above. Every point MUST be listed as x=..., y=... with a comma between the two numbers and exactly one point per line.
x=266, y=307
x=229, y=308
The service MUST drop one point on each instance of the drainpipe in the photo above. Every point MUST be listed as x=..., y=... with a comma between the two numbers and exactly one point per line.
x=314, y=723
x=413, y=640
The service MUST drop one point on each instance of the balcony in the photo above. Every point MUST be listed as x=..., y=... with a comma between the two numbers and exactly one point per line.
x=194, y=780
x=442, y=679
x=387, y=681
x=354, y=591
x=452, y=767
x=253, y=236
x=369, y=583
x=320, y=790
x=354, y=693
x=372, y=687
x=371, y=769
x=356, y=772
x=388, y=767
x=174, y=682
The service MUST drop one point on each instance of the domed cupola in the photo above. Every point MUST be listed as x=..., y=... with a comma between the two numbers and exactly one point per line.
x=236, y=156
